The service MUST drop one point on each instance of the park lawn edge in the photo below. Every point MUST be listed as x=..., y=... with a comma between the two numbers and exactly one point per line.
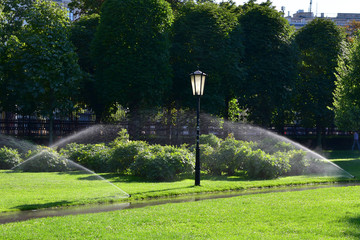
x=225, y=187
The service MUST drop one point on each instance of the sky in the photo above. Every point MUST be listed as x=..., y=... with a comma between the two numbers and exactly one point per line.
x=329, y=7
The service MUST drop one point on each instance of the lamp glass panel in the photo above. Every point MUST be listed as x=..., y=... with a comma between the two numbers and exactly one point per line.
x=198, y=84
x=202, y=85
x=192, y=77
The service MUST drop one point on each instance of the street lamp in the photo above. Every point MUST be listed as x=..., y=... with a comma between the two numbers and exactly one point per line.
x=197, y=83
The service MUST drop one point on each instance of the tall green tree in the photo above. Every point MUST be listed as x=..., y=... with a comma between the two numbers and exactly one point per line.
x=82, y=34
x=202, y=38
x=85, y=7
x=320, y=44
x=131, y=52
x=270, y=64
x=346, y=104
x=41, y=73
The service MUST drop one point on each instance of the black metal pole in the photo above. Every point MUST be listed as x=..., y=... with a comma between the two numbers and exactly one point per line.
x=197, y=160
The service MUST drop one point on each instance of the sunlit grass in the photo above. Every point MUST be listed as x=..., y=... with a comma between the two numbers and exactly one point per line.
x=24, y=191
x=332, y=213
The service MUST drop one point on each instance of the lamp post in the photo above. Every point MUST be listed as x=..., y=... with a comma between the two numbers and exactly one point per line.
x=197, y=83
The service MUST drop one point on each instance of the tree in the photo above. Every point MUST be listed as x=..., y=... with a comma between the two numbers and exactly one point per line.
x=202, y=38
x=320, y=44
x=270, y=62
x=351, y=29
x=85, y=7
x=346, y=95
x=82, y=34
x=131, y=53
x=41, y=72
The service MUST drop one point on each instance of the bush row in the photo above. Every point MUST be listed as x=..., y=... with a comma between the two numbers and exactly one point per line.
x=266, y=159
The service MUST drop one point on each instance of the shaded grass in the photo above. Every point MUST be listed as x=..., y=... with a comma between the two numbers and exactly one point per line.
x=332, y=213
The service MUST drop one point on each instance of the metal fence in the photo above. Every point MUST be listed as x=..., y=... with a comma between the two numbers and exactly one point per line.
x=154, y=132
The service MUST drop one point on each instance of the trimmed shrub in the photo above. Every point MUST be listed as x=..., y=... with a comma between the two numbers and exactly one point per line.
x=270, y=145
x=211, y=140
x=9, y=158
x=208, y=160
x=92, y=156
x=44, y=159
x=265, y=166
x=227, y=156
x=298, y=162
x=123, y=154
x=162, y=163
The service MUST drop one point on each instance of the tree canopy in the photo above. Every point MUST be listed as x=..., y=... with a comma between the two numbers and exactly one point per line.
x=201, y=39
x=347, y=92
x=131, y=53
x=269, y=62
x=320, y=44
x=40, y=67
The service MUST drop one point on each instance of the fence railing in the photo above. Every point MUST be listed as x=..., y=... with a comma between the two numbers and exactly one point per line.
x=151, y=131
x=36, y=128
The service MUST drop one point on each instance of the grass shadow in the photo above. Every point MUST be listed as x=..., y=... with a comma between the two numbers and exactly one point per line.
x=163, y=190
x=26, y=207
x=355, y=223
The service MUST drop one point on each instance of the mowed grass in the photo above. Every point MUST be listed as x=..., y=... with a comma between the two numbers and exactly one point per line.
x=348, y=160
x=26, y=191
x=328, y=213
x=331, y=213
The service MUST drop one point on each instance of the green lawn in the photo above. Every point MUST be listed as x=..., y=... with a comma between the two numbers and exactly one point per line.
x=331, y=213
x=22, y=191
x=349, y=160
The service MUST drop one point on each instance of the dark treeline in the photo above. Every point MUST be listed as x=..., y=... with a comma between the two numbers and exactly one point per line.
x=138, y=54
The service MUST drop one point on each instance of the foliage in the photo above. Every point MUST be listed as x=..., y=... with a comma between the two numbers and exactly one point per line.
x=346, y=105
x=352, y=30
x=44, y=159
x=271, y=145
x=320, y=45
x=270, y=64
x=265, y=166
x=40, y=70
x=92, y=156
x=82, y=34
x=211, y=140
x=9, y=158
x=85, y=7
x=202, y=39
x=231, y=156
x=163, y=163
x=131, y=54
x=298, y=162
x=123, y=137
x=123, y=154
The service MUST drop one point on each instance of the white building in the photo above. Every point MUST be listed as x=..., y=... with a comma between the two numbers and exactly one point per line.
x=301, y=18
